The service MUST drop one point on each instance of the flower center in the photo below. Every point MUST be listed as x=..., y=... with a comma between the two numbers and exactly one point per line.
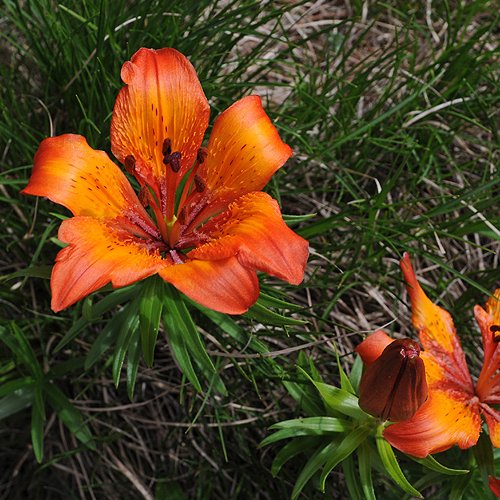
x=175, y=200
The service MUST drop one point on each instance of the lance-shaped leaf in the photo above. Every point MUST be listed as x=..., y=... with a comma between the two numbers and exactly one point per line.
x=391, y=465
x=150, y=309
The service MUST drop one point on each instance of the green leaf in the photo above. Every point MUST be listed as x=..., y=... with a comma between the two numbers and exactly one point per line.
x=177, y=308
x=290, y=450
x=30, y=272
x=292, y=220
x=343, y=450
x=320, y=424
x=13, y=385
x=391, y=464
x=69, y=415
x=107, y=336
x=351, y=479
x=228, y=325
x=264, y=315
x=365, y=471
x=109, y=302
x=150, y=309
x=291, y=433
x=179, y=350
x=431, y=463
x=180, y=319
x=339, y=400
x=307, y=399
x=133, y=358
x=302, y=391
x=19, y=345
x=345, y=383
x=459, y=486
x=129, y=327
x=267, y=300
x=17, y=400
x=37, y=421
x=356, y=372
x=483, y=453
x=312, y=466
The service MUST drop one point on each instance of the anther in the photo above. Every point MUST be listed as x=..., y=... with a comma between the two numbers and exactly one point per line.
x=130, y=164
x=167, y=147
x=182, y=216
x=199, y=184
x=201, y=155
x=173, y=160
x=495, y=330
x=143, y=197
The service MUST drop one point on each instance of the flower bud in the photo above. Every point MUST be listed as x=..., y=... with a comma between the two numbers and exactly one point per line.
x=393, y=387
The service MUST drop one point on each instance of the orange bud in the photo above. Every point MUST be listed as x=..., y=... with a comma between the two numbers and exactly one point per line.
x=394, y=386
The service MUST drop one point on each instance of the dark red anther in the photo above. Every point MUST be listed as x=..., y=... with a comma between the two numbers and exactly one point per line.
x=495, y=330
x=144, y=196
x=393, y=387
x=182, y=216
x=199, y=184
x=201, y=155
x=130, y=164
x=174, y=160
x=167, y=147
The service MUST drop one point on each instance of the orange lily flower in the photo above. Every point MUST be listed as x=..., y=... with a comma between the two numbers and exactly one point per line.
x=208, y=228
x=452, y=413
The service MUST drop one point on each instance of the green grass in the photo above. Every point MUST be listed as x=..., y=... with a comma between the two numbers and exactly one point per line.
x=348, y=90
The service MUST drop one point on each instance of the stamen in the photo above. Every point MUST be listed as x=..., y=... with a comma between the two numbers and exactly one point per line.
x=176, y=257
x=144, y=196
x=130, y=164
x=167, y=147
x=173, y=160
x=495, y=330
x=199, y=184
x=181, y=218
x=201, y=155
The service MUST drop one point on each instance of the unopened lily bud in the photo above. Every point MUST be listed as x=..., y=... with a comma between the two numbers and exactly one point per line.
x=394, y=387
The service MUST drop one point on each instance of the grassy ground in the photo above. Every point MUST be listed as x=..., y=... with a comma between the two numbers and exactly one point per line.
x=391, y=110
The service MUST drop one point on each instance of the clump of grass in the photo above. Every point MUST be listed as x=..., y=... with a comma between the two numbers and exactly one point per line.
x=390, y=110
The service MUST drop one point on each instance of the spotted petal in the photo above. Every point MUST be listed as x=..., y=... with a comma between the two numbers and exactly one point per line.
x=69, y=172
x=445, y=419
x=492, y=418
x=488, y=384
x=223, y=285
x=99, y=252
x=437, y=334
x=252, y=228
x=373, y=346
x=244, y=151
x=162, y=99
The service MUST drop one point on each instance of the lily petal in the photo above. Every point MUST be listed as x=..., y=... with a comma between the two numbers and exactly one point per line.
x=162, y=99
x=373, y=346
x=492, y=418
x=445, y=419
x=494, y=484
x=488, y=384
x=69, y=172
x=244, y=151
x=223, y=285
x=100, y=251
x=436, y=331
x=252, y=228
